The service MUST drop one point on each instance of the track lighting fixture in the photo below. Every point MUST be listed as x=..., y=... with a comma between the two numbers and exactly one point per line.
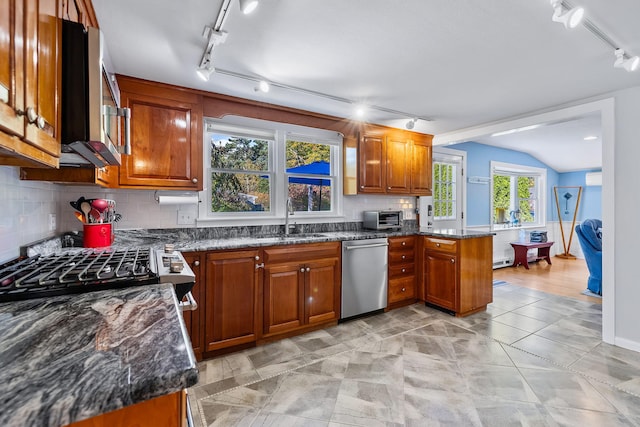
x=570, y=18
x=626, y=62
x=263, y=86
x=411, y=123
x=214, y=38
x=248, y=6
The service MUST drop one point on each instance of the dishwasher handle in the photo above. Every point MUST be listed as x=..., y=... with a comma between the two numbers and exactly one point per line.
x=374, y=245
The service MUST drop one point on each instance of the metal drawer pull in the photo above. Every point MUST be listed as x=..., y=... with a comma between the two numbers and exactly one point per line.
x=261, y=265
x=190, y=304
x=308, y=269
x=438, y=244
x=404, y=289
x=196, y=263
x=403, y=270
x=301, y=269
x=453, y=260
x=350, y=248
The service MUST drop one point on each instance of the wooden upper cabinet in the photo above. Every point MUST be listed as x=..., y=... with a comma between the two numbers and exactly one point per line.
x=398, y=164
x=372, y=158
x=390, y=162
x=421, y=168
x=30, y=83
x=166, y=137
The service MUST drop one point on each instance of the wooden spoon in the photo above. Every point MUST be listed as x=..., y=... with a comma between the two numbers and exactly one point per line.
x=85, y=207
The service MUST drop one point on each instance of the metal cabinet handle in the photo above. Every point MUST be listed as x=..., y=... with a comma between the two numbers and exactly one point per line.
x=261, y=265
x=301, y=269
x=40, y=122
x=404, y=243
x=438, y=245
x=403, y=257
x=404, y=289
x=257, y=258
x=32, y=116
x=453, y=261
x=194, y=180
x=308, y=269
x=388, y=188
x=404, y=270
x=196, y=263
x=362, y=186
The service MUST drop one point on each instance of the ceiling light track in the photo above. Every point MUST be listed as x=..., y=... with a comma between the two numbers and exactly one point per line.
x=322, y=95
x=623, y=60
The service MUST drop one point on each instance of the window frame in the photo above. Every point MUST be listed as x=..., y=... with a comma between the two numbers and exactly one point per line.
x=278, y=186
x=510, y=169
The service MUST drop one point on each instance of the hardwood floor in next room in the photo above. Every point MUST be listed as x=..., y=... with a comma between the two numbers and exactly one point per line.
x=565, y=277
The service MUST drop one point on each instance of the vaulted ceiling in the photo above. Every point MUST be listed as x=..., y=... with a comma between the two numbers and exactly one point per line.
x=461, y=63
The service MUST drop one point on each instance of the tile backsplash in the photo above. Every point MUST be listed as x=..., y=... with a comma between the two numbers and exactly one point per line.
x=25, y=208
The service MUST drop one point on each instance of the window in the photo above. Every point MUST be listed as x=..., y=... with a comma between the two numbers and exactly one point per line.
x=254, y=166
x=241, y=172
x=517, y=196
x=444, y=191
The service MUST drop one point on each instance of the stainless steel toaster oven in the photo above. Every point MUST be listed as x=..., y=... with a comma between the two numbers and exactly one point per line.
x=382, y=220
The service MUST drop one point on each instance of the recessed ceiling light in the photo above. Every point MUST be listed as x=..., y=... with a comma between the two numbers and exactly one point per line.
x=590, y=138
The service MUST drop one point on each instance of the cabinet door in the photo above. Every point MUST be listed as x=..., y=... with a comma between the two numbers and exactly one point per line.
x=12, y=66
x=322, y=290
x=194, y=320
x=30, y=83
x=166, y=144
x=372, y=158
x=421, y=168
x=231, y=301
x=398, y=165
x=283, y=298
x=441, y=279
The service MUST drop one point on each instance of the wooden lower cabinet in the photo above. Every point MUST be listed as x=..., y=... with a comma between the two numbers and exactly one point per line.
x=233, y=282
x=301, y=287
x=458, y=273
x=402, y=271
x=194, y=320
x=164, y=411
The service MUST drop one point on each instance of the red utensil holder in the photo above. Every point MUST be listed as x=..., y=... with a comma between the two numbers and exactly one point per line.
x=97, y=235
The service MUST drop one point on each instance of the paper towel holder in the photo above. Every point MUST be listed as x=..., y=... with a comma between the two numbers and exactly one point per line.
x=176, y=197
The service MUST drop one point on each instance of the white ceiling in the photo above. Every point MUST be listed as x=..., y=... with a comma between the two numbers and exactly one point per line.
x=462, y=63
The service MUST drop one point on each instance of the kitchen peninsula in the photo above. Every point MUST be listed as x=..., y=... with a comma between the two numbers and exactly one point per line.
x=74, y=357
x=234, y=277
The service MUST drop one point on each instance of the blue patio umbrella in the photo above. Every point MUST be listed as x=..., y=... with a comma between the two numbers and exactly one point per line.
x=314, y=168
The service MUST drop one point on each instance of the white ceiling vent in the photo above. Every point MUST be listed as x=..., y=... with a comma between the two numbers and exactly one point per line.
x=593, y=178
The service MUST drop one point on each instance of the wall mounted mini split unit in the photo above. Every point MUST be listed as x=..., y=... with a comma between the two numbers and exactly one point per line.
x=593, y=179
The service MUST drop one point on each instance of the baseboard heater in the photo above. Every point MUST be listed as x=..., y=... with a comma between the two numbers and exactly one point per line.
x=502, y=263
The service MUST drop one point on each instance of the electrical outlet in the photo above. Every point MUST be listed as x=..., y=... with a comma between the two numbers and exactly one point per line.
x=52, y=222
x=186, y=218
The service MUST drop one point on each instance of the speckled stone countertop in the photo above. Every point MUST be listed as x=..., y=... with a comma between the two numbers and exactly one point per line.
x=67, y=358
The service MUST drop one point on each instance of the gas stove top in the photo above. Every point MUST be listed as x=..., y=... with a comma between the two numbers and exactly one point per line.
x=92, y=270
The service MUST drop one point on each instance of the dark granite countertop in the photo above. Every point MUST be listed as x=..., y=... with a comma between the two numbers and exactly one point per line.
x=205, y=239
x=68, y=358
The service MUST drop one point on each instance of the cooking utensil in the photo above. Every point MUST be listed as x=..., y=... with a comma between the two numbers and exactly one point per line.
x=96, y=216
x=76, y=205
x=99, y=204
x=85, y=207
x=79, y=216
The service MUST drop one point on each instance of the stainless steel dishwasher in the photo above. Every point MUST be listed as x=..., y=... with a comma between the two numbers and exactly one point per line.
x=364, y=276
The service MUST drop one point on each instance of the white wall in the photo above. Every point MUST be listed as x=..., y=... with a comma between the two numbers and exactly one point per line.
x=24, y=211
x=626, y=210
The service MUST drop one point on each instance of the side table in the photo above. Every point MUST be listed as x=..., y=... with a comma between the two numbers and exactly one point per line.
x=521, y=249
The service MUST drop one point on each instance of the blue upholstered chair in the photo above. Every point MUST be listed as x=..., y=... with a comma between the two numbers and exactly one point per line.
x=590, y=237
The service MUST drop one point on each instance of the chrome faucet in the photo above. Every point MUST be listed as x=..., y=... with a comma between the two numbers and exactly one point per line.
x=288, y=211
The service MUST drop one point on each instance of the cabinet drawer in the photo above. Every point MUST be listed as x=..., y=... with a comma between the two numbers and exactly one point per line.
x=401, y=270
x=301, y=252
x=402, y=289
x=440, y=245
x=403, y=257
x=401, y=243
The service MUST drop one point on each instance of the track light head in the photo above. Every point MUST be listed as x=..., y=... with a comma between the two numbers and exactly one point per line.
x=205, y=72
x=263, y=86
x=411, y=123
x=248, y=6
x=623, y=61
x=571, y=18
